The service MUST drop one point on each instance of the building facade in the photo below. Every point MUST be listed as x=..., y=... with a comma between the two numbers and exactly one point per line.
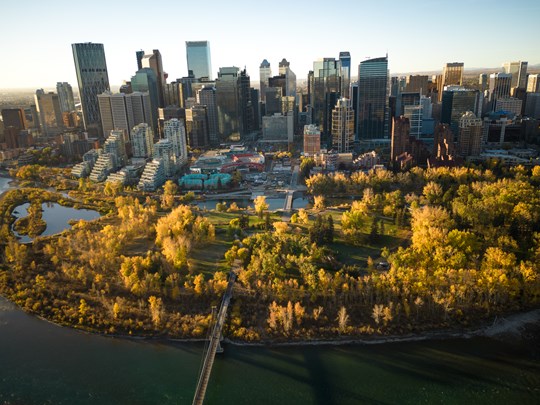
x=93, y=79
x=198, y=59
x=372, y=119
x=65, y=96
x=343, y=126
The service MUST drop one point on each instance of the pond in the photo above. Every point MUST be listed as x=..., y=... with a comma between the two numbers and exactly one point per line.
x=56, y=216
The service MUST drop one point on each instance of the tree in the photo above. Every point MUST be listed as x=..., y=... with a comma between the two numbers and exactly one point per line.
x=306, y=165
x=378, y=313
x=342, y=319
x=156, y=310
x=260, y=205
x=170, y=189
x=318, y=202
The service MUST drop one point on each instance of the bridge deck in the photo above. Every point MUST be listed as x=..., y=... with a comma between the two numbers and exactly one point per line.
x=204, y=377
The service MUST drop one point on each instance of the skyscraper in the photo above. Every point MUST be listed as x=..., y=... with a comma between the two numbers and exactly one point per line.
x=142, y=141
x=518, y=70
x=197, y=126
x=50, y=116
x=228, y=103
x=93, y=79
x=343, y=126
x=207, y=97
x=265, y=72
x=65, y=96
x=198, y=59
x=533, y=84
x=345, y=64
x=456, y=101
x=153, y=61
x=372, y=108
x=499, y=86
x=417, y=83
x=175, y=132
x=470, y=135
x=325, y=91
x=14, y=117
x=145, y=80
x=124, y=111
x=452, y=75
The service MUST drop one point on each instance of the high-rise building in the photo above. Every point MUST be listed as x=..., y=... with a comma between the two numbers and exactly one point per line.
x=207, y=97
x=152, y=60
x=142, y=141
x=14, y=117
x=312, y=140
x=197, y=126
x=509, y=104
x=145, y=80
x=163, y=151
x=343, y=126
x=65, y=96
x=265, y=72
x=345, y=64
x=533, y=84
x=372, y=121
x=173, y=94
x=417, y=84
x=325, y=91
x=198, y=59
x=456, y=101
x=234, y=105
x=50, y=115
x=499, y=86
x=92, y=77
x=175, y=132
x=124, y=111
x=273, y=100
x=470, y=135
x=290, y=78
x=140, y=56
x=400, y=137
x=246, y=105
x=518, y=70
x=443, y=145
x=452, y=76
x=483, y=82
x=532, y=106
x=116, y=147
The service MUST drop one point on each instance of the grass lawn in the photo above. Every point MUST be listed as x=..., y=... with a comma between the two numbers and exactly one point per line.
x=209, y=258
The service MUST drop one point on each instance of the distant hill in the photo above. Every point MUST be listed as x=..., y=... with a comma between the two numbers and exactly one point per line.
x=470, y=71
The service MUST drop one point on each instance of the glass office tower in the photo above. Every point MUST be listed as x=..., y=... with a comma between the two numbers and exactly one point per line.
x=198, y=59
x=372, y=108
x=93, y=79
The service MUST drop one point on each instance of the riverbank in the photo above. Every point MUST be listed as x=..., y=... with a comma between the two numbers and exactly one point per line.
x=510, y=327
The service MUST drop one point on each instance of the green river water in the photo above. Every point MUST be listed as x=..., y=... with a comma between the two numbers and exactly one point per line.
x=41, y=363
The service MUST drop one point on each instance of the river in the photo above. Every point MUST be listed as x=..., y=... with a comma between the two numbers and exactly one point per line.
x=41, y=363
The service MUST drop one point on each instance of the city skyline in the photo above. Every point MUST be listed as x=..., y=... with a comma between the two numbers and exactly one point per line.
x=403, y=32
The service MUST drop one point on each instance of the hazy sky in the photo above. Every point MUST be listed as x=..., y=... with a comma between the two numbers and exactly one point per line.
x=36, y=35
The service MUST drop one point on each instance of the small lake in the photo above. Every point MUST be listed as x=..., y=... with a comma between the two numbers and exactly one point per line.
x=56, y=216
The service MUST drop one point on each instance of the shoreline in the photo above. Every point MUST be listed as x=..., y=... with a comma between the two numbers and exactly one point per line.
x=510, y=325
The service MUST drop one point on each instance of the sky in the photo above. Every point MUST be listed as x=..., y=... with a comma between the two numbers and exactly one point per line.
x=36, y=35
